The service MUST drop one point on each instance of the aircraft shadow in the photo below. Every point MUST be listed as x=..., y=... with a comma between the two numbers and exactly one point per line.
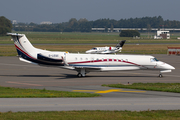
x=91, y=76
x=31, y=75
x=65, y=76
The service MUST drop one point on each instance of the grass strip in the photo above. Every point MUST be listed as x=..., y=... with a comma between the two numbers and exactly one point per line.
x=8, y=92
x=10, y=50
x=93, y=115
x=75, y=37
x=165, y=87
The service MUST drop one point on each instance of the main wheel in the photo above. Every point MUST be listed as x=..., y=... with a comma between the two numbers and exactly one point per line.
x=79, y=75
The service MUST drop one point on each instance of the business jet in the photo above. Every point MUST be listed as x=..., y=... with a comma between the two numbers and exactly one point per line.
x=107, y=50
x=85, y=63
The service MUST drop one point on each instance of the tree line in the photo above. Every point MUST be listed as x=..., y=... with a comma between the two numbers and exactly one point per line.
x=83, y=25
x=129, y=33
x=5, y=25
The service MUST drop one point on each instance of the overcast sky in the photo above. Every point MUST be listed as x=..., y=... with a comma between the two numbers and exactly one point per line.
x=58, y=11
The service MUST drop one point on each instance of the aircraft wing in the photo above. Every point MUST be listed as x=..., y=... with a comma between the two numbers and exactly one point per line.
x=77, y=68
x=88, y=68
x=107, y=52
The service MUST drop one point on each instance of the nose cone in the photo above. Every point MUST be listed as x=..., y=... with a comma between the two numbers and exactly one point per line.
x=165, y=66
x=91, y=51
x=168, y=67
x=87, y=51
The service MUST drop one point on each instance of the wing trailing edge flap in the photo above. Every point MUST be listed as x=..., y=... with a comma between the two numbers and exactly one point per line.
x=88, y=68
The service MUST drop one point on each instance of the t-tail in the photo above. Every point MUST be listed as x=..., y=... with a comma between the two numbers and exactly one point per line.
x=120, y=44
x=28, y=53
x=23, y=46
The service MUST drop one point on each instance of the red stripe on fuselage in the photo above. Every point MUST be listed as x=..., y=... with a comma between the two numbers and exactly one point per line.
x=105, y=60
x=23, y=51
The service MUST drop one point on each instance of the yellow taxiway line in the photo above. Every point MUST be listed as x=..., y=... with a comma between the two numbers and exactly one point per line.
x=106, y=91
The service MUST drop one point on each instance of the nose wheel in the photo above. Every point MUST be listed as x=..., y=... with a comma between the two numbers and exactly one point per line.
x=160, y=75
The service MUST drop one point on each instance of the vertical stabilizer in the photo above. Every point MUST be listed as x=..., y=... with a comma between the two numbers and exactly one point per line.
x=120, y=44
x=22, y=44
x=28, y=53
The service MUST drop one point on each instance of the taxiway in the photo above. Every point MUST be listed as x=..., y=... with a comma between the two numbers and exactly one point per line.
x=14, y=73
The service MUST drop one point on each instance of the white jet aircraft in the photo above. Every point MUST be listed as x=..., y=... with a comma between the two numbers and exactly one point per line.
x=85, y=63
x=107, y=50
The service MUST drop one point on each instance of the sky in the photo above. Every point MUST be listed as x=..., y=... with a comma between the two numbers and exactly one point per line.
x=58, y=11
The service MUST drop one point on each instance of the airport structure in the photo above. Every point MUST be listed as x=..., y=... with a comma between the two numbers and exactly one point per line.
x=162, y=35
x=173, y=51
x=139, y=29
x=14, y=21
x=46, y=22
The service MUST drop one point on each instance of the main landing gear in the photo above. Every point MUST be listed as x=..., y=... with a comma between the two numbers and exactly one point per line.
x=81, y=73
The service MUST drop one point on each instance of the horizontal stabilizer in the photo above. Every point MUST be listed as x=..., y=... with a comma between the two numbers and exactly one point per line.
x=15, y=34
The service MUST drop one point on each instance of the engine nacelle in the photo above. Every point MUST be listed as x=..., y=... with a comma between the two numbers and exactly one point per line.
x=51, y=56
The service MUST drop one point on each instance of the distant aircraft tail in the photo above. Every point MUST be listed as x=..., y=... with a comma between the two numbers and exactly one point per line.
x=120, y=44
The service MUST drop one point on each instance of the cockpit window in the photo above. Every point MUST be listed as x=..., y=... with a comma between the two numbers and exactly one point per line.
x=94, y=49
x=154, y=59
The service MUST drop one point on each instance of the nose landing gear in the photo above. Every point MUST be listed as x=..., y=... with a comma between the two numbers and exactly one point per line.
x=160, y=75
x=163, y=71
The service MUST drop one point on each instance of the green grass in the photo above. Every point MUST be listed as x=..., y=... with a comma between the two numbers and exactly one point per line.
x=165, y=87
x=7, y=92
x=10, y=50
x=77, y=37
x=93, y=115
x=132, y=46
